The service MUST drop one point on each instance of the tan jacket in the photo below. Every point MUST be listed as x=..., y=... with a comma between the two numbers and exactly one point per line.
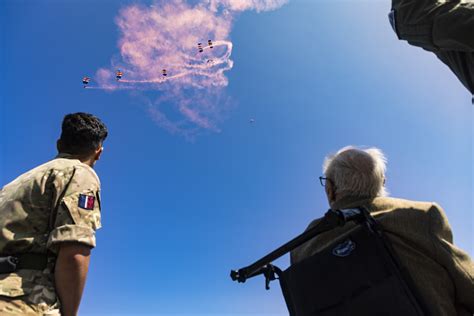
x=422, y=238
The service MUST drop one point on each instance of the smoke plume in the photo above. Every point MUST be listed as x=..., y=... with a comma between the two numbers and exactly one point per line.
x=182, y=52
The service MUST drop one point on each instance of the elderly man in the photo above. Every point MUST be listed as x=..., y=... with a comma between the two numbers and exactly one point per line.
x=419, y=231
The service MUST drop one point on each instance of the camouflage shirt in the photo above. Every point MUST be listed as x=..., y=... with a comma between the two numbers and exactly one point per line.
x=55, y=202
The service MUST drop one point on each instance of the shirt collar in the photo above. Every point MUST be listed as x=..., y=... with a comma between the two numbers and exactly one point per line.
x=69, y=156
x=351, y=202
x=64, y=155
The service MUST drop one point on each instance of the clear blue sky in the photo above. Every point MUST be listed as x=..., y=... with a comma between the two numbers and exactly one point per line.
x=178, y=215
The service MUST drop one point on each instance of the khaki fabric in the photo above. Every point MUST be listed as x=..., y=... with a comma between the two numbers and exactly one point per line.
x=445, y=28
x=422, y=238
x=39, y=210
x=27, y=306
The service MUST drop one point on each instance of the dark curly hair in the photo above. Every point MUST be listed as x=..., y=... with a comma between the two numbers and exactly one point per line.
x=82, y=133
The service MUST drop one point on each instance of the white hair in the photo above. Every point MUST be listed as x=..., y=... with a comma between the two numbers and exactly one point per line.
x=357, y=172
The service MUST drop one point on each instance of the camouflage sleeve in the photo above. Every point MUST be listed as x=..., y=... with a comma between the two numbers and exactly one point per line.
x=78, y=213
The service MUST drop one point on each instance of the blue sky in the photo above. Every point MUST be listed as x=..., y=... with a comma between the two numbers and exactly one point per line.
x=178, y=215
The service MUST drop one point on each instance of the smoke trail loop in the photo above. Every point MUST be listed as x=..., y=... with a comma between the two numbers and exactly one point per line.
x=159, y=53
x=204, y=68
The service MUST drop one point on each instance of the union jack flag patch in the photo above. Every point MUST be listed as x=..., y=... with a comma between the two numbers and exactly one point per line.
x=86, y=201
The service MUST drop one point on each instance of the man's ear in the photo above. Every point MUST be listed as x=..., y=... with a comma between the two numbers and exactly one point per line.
x=98, y=152
x=330, y=191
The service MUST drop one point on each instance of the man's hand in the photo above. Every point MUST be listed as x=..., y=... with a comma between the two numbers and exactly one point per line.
x=70, y=275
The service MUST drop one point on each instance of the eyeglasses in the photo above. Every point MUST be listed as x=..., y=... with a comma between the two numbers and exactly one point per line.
x=323, y=180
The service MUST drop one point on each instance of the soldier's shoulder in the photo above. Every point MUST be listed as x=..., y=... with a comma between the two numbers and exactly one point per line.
x=66, y=168
x=43, y=170
x=67, y=163
x=62, y=163
x=86, y=173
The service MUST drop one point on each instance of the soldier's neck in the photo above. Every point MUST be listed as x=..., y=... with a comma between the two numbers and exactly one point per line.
x=90, y=162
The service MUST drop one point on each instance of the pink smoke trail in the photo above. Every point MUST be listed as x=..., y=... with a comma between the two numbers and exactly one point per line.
x=159, y=51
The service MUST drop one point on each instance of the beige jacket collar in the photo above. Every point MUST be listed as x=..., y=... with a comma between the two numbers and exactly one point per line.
x=352, y=201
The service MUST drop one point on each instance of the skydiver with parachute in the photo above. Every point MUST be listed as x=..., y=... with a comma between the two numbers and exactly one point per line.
x=85, y=81
x=119, y=75
x=212, y=62
x=209, y=44
x=443, y=28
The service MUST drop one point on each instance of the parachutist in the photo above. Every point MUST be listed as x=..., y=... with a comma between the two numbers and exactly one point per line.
x=85, y=81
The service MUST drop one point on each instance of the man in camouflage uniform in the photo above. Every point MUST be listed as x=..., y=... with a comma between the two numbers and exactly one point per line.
x=48, y=219
x=445, y=28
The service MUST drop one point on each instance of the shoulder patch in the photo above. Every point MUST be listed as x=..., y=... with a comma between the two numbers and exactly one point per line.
x=86, y=201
